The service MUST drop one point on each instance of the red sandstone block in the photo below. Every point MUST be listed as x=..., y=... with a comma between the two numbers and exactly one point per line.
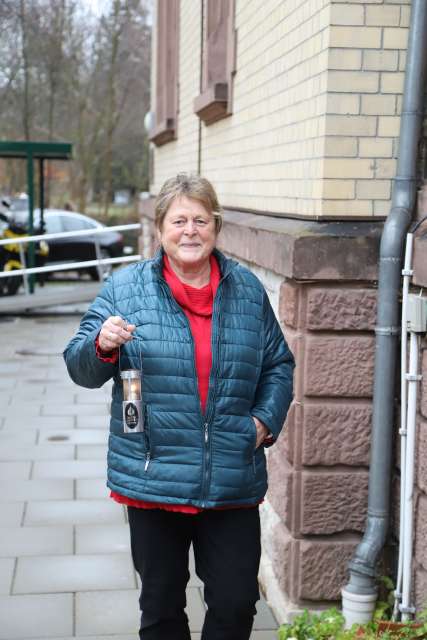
x=420, y=588
x=289, y=297
x=335, y=434
x=332, y=502
x=421, y=466
x=395, y=507
x=419, y=262
x=421, y=531
x=281, y=544
x=341, y=309
x=338, y=366
x=423, y=399
x=323, y=569
x=280, y=482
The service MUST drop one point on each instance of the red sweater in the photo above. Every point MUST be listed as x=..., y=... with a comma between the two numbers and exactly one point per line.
x=197, y=305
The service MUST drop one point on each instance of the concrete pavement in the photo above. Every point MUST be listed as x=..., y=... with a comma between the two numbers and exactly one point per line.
x=65, y=565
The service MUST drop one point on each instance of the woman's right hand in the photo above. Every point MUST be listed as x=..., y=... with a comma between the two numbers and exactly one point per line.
x=114, y=332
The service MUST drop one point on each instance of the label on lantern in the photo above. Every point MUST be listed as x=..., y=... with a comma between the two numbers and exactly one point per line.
x=133, y=421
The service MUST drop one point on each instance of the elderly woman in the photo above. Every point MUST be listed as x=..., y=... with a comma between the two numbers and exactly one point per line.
x=216, y=387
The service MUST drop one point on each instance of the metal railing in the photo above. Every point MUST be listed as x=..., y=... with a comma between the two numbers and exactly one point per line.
x=99, y=262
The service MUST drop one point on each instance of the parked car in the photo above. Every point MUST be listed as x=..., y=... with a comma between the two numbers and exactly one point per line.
x=77, y=248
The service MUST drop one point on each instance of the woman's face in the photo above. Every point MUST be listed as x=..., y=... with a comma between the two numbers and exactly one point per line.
x=188, y=233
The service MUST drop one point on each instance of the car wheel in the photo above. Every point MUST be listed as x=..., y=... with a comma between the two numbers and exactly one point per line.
x=10, y=286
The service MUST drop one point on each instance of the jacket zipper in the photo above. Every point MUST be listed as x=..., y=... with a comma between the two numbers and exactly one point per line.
x=211, y=395
x=147, y=440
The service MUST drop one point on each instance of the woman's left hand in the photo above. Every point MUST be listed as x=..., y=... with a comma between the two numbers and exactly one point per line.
x=261, y=431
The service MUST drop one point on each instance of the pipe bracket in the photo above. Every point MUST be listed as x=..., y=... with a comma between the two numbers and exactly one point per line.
x=407, y=272
x=410, y=610
x=413, y=377
x=387, y=331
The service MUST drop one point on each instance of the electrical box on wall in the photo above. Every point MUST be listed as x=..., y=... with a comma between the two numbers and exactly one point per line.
x=417, y=313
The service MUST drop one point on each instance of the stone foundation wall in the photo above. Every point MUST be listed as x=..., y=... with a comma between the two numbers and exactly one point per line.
x=420, y=524
x=318, y=469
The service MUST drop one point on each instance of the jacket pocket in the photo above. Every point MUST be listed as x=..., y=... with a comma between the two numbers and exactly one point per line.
x=254, y=434
x=253, y=445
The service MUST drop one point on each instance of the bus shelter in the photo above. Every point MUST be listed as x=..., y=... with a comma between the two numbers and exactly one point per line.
x=30, y=152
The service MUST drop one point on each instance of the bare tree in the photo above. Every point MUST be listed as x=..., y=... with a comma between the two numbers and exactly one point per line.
x=70, y=75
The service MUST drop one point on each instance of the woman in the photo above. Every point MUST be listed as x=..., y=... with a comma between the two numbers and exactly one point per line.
x=217, y=384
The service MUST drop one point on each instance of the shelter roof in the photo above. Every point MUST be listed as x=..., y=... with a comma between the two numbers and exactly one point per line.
x=48, y=150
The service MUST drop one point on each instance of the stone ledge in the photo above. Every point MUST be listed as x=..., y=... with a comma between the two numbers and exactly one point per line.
x=299, y=249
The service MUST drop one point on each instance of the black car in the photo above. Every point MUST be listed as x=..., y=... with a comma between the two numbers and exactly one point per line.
x=78, y=248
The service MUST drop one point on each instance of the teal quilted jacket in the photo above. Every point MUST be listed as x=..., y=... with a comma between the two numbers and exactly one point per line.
x=184, y=456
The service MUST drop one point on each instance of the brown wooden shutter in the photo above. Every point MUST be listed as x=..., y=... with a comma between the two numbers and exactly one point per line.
x=214, y=102
x=166, y=110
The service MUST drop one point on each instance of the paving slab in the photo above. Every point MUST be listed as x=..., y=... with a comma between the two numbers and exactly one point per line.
x=5, y=397
x=89, y=436
x=102, y=539
x=59, y=574
x=45, y=616
x=69, y=468
x=38, y=489
x=7, y=566
x=264, y=618
x=107, y=612
x=91, y=396
x=15, y=470
x=92, y=488
x=92, y=451
x=38, y=452
x=73, y=512
x=195, y=609
x=37, y=422
x=23, y=436
x=25, y=409
x=52, y=409
x=12, y=514
x=103, y=637
x=35, y=541
x=92, y=422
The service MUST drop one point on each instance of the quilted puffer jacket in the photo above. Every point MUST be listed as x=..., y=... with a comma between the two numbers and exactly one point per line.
x=184, y=456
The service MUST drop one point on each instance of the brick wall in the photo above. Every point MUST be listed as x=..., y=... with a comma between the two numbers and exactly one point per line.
x=367, y=53
x=316, y=104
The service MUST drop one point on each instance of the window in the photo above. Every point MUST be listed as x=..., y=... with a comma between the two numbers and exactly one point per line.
x=215, y=100
x=72, y=223
x=167, y=72
x=53, y=224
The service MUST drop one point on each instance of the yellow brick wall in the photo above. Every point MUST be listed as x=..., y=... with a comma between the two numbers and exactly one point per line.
x=367, y=49
x=316, y=104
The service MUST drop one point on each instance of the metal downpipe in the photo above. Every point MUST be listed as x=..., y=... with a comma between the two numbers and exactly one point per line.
x=363, y=564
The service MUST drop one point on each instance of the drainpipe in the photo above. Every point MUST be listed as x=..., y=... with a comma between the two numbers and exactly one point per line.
x=360, y=592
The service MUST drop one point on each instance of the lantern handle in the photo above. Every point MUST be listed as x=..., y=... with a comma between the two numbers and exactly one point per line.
x=139, y=340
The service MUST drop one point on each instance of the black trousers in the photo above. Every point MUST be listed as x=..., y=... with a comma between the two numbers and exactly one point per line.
x=227, y=553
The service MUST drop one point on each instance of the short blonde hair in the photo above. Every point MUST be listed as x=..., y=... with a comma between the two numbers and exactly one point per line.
x=192, y=186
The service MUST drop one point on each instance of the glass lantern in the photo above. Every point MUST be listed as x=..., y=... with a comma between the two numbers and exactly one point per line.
x=133, y=419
